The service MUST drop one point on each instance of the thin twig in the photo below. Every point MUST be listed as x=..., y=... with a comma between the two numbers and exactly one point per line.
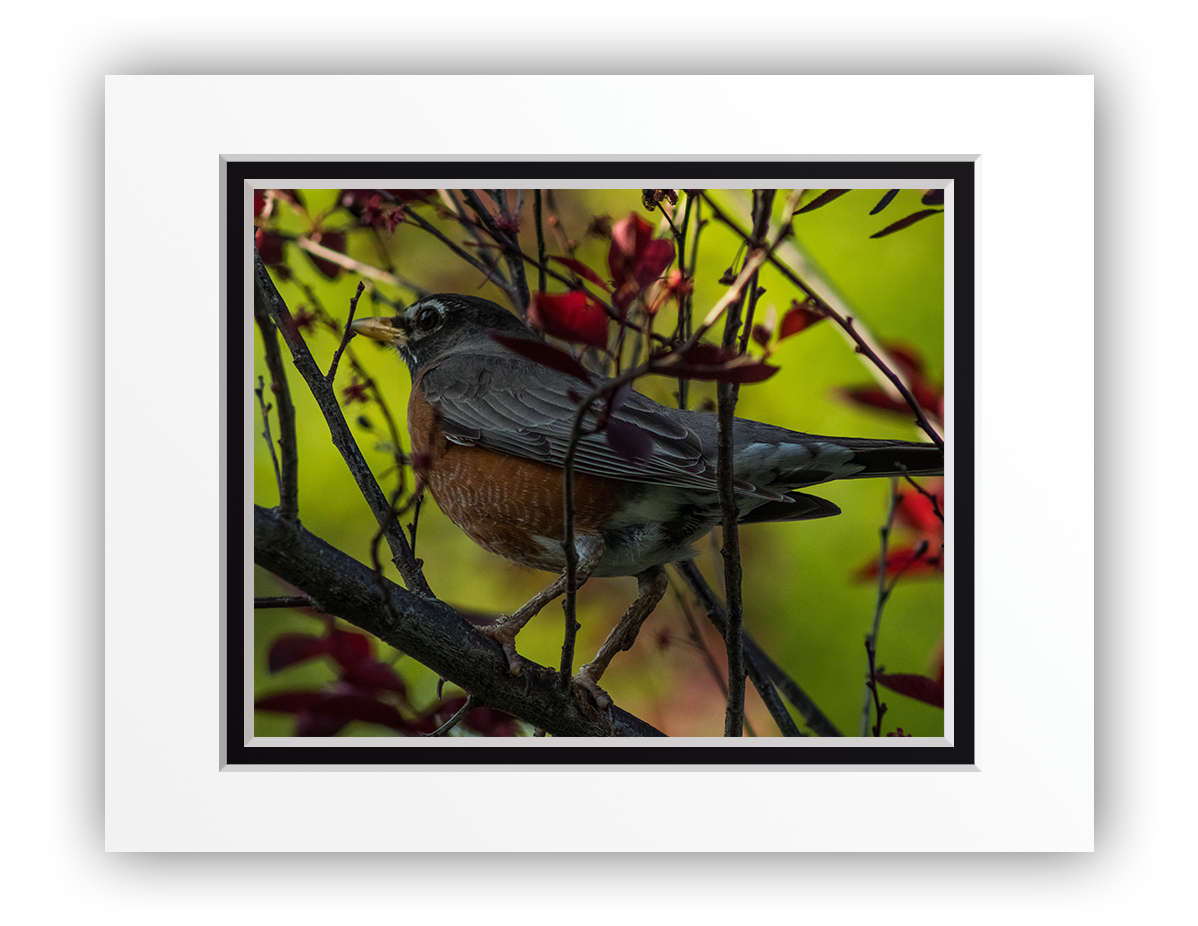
x=283, y=601
x=459, y=213
x=288, y=445
x=346, y=334
x=453, y=721
x=844, y=322
x=726, y=394
x=348, y=263
x=730, y=513
x=490, y=272
x=871, y=641
x=871, y=691
x=926, y=494
x=764, y=673
x=375, y=561
x=536, y=210
x=734, y=644
x=267, y=301
x=274, y=458
x=568, y=546
x=380, y=400
x=509, y=249
x=697, y=641
x=415, y=522
x=514, y=260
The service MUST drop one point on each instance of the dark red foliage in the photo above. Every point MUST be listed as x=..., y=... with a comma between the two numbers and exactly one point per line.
x=544, y=354
x=572, y=316
x=334, y=241
x=366, y=690
x=270, y=247
x=800, y=316
x=581, y=269
x=909, y=365
x=380, y=208
x=708, y=362
x=635, y=259
x=923, y=553
x=920, y=687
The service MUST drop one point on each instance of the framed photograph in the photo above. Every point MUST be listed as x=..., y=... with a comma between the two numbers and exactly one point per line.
x=419, y=352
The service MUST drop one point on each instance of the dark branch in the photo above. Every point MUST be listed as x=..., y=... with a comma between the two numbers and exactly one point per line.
x=288, y=447
x=429, y=631
x=762, y=669
x=267, y=300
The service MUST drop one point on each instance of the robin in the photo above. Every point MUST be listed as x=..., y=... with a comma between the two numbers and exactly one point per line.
x=490, y=429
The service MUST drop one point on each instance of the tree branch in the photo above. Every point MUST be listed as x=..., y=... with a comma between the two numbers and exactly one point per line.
x=428, y=630
x=763, y=672
x=268, y=301
x=289, y=448
x=845, y=323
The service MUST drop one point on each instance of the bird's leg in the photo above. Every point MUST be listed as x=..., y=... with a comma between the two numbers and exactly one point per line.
x=651, y=586
x=590, y=551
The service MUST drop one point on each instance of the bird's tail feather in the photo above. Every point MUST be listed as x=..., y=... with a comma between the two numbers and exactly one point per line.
x=796, y=506
x=895, y=458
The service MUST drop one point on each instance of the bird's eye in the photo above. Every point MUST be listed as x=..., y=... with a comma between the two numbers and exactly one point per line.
x=428, y=318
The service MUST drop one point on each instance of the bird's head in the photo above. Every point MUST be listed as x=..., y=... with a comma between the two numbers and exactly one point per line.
x=430, y=327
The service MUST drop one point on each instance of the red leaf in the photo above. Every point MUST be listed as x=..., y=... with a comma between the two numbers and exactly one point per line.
x=570, y=316
x=707, y=362
x=290, y=648
x=323, y=714
x=752, y=371
x=653, y=260
x=628, y=238
x=374, y=676
x=907, y=561
x=797, y=319
x=287, y=702
x=334, y=241
x=877, y=398
x=917, y=511
x=350, y=649
x=545, y=354
x=635, y=259
x=270, y=247
x=909, y=365
x=920, y=687
x=582, y=270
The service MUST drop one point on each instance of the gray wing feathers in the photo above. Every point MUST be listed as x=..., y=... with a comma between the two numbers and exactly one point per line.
x=485, y=407
x=534, y=422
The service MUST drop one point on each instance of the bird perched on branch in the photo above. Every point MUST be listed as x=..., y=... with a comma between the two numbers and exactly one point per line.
x=490, y=430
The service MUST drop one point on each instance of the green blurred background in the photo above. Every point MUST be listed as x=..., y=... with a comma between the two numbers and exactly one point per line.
x=803, y=603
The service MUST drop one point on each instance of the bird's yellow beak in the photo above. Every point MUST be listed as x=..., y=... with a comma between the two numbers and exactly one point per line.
x=381, y=329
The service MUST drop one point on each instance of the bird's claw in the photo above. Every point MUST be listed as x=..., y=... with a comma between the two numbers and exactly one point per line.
x=506, y=638
x=589, y=682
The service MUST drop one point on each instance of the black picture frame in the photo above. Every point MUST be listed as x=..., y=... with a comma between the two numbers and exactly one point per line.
x=236, y=750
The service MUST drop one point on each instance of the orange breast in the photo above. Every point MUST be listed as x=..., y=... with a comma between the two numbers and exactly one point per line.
x=505, y=503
